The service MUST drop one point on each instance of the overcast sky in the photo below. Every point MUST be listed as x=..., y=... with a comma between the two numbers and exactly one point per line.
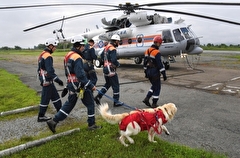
x=14, y=21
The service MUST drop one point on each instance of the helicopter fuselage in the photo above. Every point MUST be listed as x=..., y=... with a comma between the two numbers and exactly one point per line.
x=178, y=39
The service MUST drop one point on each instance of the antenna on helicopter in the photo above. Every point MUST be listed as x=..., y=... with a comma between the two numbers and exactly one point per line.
x=60, y=30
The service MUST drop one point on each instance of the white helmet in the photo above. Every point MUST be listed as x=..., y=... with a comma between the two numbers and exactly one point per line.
x=79, y=39
x=115, y=37
x=51, y=41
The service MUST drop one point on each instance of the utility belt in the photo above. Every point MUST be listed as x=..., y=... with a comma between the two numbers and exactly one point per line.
x=109, y=69
x=47, y=83
x=42, y=72
x=72, y=78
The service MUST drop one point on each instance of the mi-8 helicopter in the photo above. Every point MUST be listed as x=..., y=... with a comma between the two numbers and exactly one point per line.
x=137, y=29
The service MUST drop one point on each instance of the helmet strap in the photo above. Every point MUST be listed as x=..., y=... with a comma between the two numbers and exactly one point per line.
x=51, y=47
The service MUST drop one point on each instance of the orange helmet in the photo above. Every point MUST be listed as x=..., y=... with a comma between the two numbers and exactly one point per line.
x=157, y=39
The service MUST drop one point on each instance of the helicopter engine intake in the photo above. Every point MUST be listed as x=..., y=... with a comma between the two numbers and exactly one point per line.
x=139, y=19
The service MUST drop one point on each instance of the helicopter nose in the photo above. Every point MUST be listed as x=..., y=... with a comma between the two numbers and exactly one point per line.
x=196, y=50
x=192, y=46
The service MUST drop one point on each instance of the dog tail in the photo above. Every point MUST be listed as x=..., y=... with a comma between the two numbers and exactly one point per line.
x=108, y=116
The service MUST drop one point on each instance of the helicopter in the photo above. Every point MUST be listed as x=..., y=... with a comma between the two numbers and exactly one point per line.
x=137, y=30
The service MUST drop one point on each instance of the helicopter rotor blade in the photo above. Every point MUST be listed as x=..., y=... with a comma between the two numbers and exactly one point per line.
x=192, y=14
x=188, y=3
x=70, y=17
x=106, y=5
x=54, y=5
x=128, y=8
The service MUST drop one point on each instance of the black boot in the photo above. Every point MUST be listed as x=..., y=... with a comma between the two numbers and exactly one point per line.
x=154, y=105
x=146, y=101
x=117, y=104
x=52, y=125
x=97, y=99
x=43, y=118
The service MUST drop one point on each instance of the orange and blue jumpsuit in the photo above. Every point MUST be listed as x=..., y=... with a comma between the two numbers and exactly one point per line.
x=153, y=67
x=47, y=75
x=111, y=81
x=77, y=79
x=89, y=55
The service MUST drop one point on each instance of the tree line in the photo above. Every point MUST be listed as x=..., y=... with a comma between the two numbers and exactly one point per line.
x=65, y=45
x=68, y=45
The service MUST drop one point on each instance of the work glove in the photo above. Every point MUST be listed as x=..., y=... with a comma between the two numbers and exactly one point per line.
x=164, y=75
x=64, y=92
x=164, y=78
x=145, y=72
x=60, y=82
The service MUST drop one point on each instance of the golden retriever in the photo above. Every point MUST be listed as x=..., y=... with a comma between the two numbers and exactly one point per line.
x=136, y=121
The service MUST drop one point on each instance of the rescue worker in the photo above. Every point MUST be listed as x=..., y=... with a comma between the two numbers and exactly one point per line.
x=47, y=75
x=89, y=56
x=109, y=56
x=153, y=68
x=77, y=82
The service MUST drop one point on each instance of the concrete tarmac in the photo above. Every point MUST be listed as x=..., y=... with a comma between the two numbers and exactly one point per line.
x=207, y=99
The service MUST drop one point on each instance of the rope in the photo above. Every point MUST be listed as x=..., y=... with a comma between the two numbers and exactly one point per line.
x=123, y=104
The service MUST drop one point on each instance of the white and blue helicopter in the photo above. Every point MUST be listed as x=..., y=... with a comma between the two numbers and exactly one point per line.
x=137, y=30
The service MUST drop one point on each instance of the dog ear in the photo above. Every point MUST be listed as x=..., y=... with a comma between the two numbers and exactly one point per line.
x=170, y=114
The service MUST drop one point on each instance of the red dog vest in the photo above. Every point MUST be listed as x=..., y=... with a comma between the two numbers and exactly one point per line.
x=145, y=120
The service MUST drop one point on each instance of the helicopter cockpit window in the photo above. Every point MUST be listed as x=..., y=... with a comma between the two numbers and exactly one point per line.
x=186, y=33
x=129, y=41
x=167, y=36
x=177, y=35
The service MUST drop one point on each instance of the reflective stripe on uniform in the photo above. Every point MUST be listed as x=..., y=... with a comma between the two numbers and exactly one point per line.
x=91, y=115
x=63, y=112
x=54, y=101
x=87, y=83
x=116, y=93
x=43, y=105
x=155, y=97
x=162, y=69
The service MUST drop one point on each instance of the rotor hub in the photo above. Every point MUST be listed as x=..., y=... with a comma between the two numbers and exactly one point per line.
x=128, y=7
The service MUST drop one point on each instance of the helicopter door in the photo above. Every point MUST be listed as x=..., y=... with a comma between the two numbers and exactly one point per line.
x=139, y=40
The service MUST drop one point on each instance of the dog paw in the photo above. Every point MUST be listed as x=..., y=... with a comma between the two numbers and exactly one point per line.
x=167, y=133
x=131, y=140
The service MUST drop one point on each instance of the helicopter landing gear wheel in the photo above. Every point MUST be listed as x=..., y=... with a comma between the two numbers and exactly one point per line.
x=192, y=61
x=98, y=63
x=138, y=60
x=167, y=65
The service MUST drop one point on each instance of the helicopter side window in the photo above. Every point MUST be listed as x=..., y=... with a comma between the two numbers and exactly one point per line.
x=185, y=31
x=167, y=37
x=129, y=41
x=177, y=35
x=139, y=39
x=120, y=42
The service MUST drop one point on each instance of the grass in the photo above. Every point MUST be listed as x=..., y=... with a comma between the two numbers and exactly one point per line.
x=14, y=94
x=101, y=143
x=236, y=56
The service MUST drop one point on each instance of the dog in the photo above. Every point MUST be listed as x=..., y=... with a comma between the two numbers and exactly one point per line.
x=136, y=121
